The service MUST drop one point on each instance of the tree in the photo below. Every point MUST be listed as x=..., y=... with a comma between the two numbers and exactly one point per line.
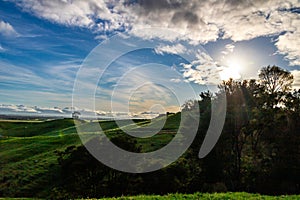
x=275, y=79
x=239, y=95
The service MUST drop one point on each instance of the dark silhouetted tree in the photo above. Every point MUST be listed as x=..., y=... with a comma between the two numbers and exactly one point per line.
x=275, y=79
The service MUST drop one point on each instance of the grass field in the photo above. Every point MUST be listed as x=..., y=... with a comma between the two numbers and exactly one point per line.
x=206, y=196
x=28, y=162
x=197, y=196
x=27, y=150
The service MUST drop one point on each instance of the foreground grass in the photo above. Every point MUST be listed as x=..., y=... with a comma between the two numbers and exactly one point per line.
x=16, y=199
x=207, y=196
x=200, y=196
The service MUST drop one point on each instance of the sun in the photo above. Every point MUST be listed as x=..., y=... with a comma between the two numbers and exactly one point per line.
x=232, y=70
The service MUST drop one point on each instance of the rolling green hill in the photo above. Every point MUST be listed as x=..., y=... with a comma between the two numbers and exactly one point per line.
x=28, y=129
x=28, y=164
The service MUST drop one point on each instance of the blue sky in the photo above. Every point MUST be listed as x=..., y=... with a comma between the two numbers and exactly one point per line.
x=43, y=44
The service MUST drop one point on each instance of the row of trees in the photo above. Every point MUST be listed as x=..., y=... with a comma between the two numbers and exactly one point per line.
x=258, y=151
x=259, y=147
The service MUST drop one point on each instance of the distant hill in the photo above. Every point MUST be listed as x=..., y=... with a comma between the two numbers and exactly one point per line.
x=29, y=129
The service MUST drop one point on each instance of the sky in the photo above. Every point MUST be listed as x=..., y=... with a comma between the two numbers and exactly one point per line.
x=141, y=57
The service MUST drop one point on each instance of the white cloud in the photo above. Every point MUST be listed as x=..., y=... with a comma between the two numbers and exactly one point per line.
x=204, y=70
x=228, y=49
x=195, y=21
x=67, y=111
x=75, y=12
x=2, y=49
x=203, y=21
x=20, y=76
x=171, y=49
x=289, y=45
x=7, y=30
x=176, y=80
x=25, y=109
x=16, y=108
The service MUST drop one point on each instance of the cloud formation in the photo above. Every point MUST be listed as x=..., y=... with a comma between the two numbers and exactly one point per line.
x=8, y=109
x=35, y=110
x=94, y=14
x=171, y=49
x=16, y=109
x=203, y=70
x=288, y=45
x=7, y=30
x=1, y=48
x=59, y=77
x=195, y=21
x=228, y=49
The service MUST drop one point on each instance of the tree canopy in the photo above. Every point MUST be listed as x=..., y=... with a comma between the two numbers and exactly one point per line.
x=275, y=79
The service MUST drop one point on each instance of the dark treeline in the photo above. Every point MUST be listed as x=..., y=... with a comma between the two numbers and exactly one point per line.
x=258, y=151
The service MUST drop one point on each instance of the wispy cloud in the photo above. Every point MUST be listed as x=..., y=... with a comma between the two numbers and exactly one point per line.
x=7, y=30
x=1, y=48
x=47, y=86
x=136, y=90
x=171, y=49
x=176, y=80
x=35, y=97
x=228, y=49
x=14, y=75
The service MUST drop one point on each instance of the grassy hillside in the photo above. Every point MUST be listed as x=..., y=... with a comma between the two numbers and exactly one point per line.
x=28, y=164
x=28, y=129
